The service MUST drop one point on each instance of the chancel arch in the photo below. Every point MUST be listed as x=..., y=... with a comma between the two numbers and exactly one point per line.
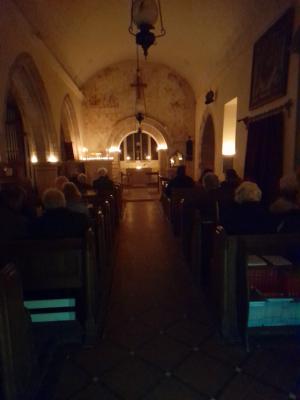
x=28, y=91
x=69, y=131
x=207, y=148
x=151, y=127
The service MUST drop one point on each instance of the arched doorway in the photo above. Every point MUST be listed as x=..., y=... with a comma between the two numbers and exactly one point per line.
x=69, y=132
x=207, y=149
x=17, y=152
x=29, y=94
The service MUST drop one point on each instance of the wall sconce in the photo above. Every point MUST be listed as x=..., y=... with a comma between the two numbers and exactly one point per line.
x=34, y=159
x=162, y=147
x=144, y=15
x=210, y=97
x=52, y=158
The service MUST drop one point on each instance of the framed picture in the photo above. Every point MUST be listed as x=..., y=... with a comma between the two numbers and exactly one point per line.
x=270, y=62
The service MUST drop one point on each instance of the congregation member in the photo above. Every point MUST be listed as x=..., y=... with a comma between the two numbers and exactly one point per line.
x=288, y=195
x=103, y=183
x=247, y=215
x=82, y=184
x=57, y=221
x=13, y=225
x=229, y=185
x=60, y=181
x=74, y=199
x=180, y=181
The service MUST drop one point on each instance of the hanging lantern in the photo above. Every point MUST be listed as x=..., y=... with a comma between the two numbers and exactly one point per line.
x=144, y=15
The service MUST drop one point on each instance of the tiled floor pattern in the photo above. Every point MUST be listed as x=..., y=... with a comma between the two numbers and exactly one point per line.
x=160, y=342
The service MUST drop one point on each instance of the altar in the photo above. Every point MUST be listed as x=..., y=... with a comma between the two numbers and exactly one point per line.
x=138, y=177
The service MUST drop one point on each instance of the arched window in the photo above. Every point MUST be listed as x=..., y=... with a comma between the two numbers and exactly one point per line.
x=138, y=146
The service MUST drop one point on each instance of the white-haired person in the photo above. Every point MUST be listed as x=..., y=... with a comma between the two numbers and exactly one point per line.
x=60, y=181
x=74, y=199
x=103, y=183
x=82, y=183
x=247, y=215
x=57, y=221
x=288, y=195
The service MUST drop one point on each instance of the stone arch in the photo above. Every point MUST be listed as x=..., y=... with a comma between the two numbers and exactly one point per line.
x=207, y=148
x=69, y=125
x=151, y=126
x=128, y=125
x=28, y=90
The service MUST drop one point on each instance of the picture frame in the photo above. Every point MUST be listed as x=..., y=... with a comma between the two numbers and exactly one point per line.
x=271, y=61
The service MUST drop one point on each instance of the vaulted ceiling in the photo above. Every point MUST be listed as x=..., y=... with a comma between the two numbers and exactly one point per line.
x=202, y=35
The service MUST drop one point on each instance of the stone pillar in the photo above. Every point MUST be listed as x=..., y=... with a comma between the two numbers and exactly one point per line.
x=44, y=175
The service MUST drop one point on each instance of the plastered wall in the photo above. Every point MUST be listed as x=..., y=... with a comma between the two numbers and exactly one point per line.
x=111, y=98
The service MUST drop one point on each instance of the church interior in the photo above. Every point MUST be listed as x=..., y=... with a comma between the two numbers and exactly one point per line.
x=116, y=281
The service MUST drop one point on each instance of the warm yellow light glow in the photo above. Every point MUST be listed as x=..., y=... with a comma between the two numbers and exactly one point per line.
x=148, y=157
x=180, y=158
x=128, y=158
x=52, y=158
x=229, y=128
x=162, y=147
x=114, y=149
x=228, y=148
x=138, y=167
x=84, y=149
x=34, y=159
x=172, y=161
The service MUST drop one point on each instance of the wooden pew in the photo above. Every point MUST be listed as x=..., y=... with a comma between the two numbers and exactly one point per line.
x=172, y=207
x=18, y=361
x=60, y=267
x=229, y=285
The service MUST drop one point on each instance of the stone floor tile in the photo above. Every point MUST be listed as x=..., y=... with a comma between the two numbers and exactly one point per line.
x=132, y=378
x=275, y=368
x=72, y=379
x=132, y=334
x=161, y=318
x=164, y=352
x=204, y=373
x=171, y=389
x=246, y=388
x=100, y=358
x=190, y=332
x=95, y=391
x=216, y=347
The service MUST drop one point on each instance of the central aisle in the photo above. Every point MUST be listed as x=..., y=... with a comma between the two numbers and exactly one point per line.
x=159, y=341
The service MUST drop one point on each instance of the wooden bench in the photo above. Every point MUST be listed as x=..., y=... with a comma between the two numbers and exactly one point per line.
x=60, y=267
x=18, y=362
x=230, y=272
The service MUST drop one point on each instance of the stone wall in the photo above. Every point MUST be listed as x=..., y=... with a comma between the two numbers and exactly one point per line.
x=109, y=98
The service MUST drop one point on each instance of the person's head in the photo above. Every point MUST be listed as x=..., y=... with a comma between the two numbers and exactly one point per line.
x=289, y=187
x=247, y=192
x=13, y=197
x=82, y=178
x=204, y=172
x=210, y=181
x=180, y=170
x=71, y=192
x=53, y=198
x=60, y=181
x=231, y=175
x=102, y=172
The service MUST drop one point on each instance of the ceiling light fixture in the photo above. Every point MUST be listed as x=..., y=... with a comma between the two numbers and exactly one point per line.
x=144, y=15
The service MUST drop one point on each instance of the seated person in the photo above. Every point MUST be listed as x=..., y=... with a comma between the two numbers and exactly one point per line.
x=82, y=184
x=103, y=183
x=73, y=199
x=181, y=181
x=57, y=221
x=247, y=215
x=288, y=195
x=13, y=224
x=60, y=181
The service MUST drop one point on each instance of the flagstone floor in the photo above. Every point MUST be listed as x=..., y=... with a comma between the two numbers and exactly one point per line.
x=160, y=341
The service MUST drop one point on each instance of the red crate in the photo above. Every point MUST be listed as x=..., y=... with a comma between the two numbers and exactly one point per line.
x=266, y=280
